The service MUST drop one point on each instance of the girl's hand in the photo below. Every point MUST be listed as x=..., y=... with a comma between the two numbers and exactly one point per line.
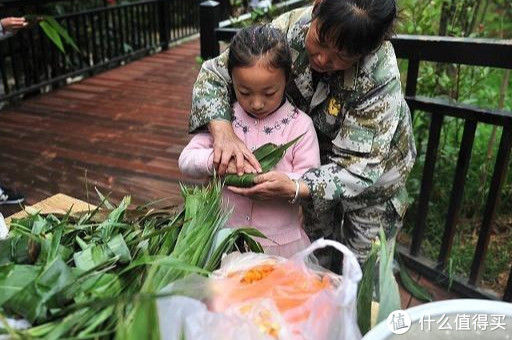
x=247, y=168
x=272, y=185
x=227, y=147
x=13, y=24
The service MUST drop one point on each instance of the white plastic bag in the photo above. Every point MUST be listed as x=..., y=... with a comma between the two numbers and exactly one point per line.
x=322, y=306
x=4, y=231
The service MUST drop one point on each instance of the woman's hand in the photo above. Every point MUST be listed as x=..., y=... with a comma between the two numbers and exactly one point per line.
x=227, y=147
x=13, y=24
x=272, y=185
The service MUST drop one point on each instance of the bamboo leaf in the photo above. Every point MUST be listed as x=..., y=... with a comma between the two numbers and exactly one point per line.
x=61, y=31
x=419, y=292
x=268, y=155
x=389, y=295
x=31, y=301
x=5, y=252
x=104, y=200
x=118, y=246
x=52, y=34
x=92, y=257
x=81, y=243
x=243, y=181
x=366, y=289
x=14, y=278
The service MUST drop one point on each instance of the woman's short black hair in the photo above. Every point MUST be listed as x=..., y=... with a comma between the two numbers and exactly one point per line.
x=259, y=42
x=357, y=27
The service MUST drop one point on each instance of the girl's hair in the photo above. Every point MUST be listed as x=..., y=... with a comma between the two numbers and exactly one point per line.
x=357, y=27
x=261, y=42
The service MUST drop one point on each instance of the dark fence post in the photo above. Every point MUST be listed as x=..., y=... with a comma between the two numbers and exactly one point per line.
x=209, y=20
x=224, y=10
x=164, y=9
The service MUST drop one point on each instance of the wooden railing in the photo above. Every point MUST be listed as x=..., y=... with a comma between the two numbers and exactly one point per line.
x=106, y=37
x=417, y=49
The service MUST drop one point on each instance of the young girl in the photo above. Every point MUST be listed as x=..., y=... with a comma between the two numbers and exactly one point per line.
x=260, y=64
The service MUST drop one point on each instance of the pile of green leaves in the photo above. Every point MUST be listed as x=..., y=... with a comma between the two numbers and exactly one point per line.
x=96, y=274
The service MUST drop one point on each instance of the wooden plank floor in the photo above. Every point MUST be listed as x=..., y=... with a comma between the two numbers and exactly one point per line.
x=120, y=131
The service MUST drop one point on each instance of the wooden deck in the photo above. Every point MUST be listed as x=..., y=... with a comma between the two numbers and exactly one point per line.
x=120, y=131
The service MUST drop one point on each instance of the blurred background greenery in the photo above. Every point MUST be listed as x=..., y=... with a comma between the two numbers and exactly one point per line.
x=480, y=86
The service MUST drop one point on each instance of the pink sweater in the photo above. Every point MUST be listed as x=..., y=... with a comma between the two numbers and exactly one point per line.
x=277, y=219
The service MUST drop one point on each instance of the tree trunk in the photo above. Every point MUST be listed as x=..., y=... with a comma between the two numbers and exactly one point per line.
x=474, y=17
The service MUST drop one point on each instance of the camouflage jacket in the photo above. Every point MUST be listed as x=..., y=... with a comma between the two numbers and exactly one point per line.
x=361, y=117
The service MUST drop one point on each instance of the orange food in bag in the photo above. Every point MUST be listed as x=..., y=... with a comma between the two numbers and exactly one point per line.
x=287, y=284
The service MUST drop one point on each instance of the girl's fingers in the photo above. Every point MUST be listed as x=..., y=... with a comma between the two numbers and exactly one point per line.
x=224, y=161
x=217, y=153
x=261, y=178
x=253, y=162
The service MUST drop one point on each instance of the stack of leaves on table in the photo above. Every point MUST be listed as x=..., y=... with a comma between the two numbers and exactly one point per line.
x=96, y=274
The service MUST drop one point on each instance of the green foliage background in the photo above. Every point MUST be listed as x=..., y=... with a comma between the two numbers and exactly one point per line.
x=480, y=86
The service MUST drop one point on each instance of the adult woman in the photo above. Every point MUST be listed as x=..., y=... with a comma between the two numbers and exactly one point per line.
x=345, y=76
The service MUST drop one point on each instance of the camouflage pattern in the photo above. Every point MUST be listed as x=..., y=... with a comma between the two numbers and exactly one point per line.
x=364, y=127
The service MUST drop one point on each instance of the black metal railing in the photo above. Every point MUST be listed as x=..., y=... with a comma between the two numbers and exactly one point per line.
x=106, y=37
x=416, y=49
x=213, y=16
x=228, y=10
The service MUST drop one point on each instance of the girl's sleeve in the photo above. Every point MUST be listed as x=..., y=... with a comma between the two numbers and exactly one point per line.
x=196, y=159
x=306, y=152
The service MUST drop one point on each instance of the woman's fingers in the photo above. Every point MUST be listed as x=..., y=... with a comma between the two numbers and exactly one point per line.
x=239, y=160
x=257, y=192
x=271, y=185
x=224, y=161
x=227, y=147
x=240, y=191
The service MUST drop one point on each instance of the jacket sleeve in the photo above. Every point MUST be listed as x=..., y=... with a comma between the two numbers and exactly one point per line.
x=211, y=95
x=306, y=152
x=361, y=153
x=196, y=159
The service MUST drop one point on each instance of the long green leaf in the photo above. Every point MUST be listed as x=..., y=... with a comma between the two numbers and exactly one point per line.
x=419, y=292
x=52, y=34
x=389, y=295
x=31, y=301
x=366, y=289
x=61, y=31
x=118, y=246
x=14, y=278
